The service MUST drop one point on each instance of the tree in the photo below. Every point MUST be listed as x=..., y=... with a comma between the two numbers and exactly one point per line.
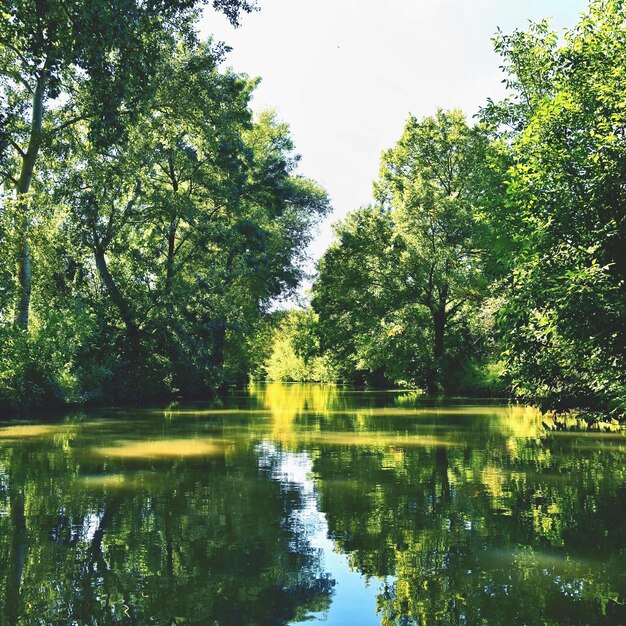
x=563, y=227
x=404, y=273
x=428, y=180
x=159, y=248
x=294, y=351
x=60, y=63
x=368, y=326
x=195, y=225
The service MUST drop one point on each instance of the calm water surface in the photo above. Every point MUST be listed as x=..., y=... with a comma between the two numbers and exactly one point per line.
x=302, y=503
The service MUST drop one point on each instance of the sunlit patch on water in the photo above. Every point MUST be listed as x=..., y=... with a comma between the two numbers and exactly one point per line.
x=136, y=480
x=104, y=480
x=203, y=412
x=163, y=448
x=378, y=439
x=613, y=436
x=31, y=430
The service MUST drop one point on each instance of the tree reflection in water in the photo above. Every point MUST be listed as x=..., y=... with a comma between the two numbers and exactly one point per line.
x=457, y=513
x=478, y=514
x=96, y=540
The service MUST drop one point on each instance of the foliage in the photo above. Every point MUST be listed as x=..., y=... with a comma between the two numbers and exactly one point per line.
x=294, y=352
x=525, y=209
x=149, y=247
x=562, y=230
x=404, y=277
x=95, y=62
x=152, y=221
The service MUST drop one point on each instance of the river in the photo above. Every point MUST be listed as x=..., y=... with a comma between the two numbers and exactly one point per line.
x=290, y=504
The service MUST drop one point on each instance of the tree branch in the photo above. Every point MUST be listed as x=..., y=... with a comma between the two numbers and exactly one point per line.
x=7, y=175
x=67, y=124
x=456, y=307
x=17, y=77
x=17, y=147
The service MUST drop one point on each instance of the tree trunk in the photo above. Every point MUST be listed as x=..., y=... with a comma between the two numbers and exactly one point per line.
x=171, y=250
x=132, y=330
x=439, y=328
x=22, y=307
x=24, y=282
x=439, y=321
x=171, y=235
x=219, y=342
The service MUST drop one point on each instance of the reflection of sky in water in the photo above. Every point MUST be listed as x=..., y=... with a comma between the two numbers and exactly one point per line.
x=354, y=598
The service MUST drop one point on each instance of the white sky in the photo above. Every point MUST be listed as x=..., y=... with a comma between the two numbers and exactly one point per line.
x=345, y=74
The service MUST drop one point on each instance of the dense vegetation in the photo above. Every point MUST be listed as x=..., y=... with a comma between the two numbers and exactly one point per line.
x=147, y=222
x=493, y=258
x=151, y=218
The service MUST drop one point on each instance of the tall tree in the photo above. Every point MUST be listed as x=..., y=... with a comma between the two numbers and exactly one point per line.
x=193, y=226
x=563, y=226
x=80, y=60
x=412, y=265
x=428, y=180
x=369, y=323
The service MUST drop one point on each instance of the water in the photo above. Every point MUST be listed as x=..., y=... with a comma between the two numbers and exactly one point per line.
x=295, y=504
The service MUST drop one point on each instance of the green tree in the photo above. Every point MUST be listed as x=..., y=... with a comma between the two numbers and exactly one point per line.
x=157, y=248
x=98, y=60
x=367, y=326
x=562, y=229
x=404, y=273
x=294, y=352
x=429, y=181
x=194, y=226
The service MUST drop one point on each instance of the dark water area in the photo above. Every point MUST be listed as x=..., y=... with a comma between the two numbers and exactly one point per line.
x=301, y=503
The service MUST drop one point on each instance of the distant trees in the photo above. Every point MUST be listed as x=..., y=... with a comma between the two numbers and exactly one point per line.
x=405, y=271
x=291, y=349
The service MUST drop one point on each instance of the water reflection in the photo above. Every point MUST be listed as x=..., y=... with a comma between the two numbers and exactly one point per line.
x=128, y=533
x=293, y=502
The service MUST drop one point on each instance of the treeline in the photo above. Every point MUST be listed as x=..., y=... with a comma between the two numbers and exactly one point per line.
x=493, y=259
x=150, y=217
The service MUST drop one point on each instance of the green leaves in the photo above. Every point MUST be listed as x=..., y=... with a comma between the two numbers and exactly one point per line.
x=564, y=213
x=401, y=273
x=159, y=206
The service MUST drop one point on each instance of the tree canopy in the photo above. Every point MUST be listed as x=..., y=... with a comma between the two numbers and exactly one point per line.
x=401, y=278
x=151, y=239
x=498, y=248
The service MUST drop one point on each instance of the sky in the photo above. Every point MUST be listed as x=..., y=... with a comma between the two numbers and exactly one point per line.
x=346, y=74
